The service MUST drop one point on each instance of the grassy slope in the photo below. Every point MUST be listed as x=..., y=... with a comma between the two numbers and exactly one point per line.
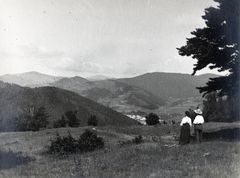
x=153, y=158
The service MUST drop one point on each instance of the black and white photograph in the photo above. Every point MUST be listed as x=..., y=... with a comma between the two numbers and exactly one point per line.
x=119, y=88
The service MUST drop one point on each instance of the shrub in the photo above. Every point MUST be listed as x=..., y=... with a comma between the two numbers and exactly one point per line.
x=138, y=139
x=63, y=145
x=152, y=119
x=88, y=141
x=26, y=122
x=92, y=120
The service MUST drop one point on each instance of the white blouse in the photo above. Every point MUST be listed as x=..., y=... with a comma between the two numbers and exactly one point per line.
x=198, y=119
x=186, y=120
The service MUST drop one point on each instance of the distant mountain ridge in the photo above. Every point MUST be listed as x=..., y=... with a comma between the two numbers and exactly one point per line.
x=99, y=77
x=167, y=85
x=111, y=93
x=33, y=79
x=148, y=91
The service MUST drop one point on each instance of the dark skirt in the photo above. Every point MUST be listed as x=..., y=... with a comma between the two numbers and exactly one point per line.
x=184, y=134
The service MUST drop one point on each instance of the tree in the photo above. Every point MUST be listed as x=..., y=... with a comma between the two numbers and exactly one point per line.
x=217, y=46
x=60, y=123
x=217, y=109
x=92, y=120
x=152, y=119
x=209, y=105
x=39, y=120
x=72, y=120
x=25, y=121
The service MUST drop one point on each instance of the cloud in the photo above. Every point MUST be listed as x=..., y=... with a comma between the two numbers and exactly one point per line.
x=113, y=38
x=39, y=52
x=85, y=67
x=68, y=65
x=31, y=51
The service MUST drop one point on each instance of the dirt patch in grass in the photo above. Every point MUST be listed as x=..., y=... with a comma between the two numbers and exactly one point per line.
x=9, y=159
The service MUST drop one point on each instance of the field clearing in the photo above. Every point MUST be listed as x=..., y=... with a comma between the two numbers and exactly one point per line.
x=158, y=156
x=174, y=110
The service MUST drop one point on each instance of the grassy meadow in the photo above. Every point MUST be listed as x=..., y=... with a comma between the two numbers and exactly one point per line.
x=24, y=154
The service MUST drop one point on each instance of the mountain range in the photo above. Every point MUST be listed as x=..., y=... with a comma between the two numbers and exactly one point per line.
x=31, y=79
x=111, y=93
x=166, y=85
x=148, y=91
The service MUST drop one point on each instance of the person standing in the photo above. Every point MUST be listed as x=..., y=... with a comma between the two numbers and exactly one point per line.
x=185, y=124
x=198, y=122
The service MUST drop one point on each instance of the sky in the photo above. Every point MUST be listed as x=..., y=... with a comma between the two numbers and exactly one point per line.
x=116, y=38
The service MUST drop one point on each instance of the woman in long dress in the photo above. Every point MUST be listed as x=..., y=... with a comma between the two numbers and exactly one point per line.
x=185, y=124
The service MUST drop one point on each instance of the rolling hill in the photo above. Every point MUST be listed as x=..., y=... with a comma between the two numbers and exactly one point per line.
x=111, y=93
x=15, y=100
x=167, y=85
x=145, y=93
x=117, y=95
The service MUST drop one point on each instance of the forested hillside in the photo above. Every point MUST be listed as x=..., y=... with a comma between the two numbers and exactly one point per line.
x=16, y=100
x=111, y=93
x=167, y=85
x=148, y=91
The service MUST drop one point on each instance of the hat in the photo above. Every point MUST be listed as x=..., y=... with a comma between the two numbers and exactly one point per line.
x=198, y=111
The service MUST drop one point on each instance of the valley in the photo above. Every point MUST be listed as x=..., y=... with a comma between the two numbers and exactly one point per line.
x=166, y=94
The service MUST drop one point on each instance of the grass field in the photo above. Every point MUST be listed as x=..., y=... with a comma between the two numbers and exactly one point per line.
x=159, y=155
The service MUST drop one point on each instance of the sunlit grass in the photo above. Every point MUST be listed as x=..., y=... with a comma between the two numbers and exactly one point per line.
x=210, y=159
x=148, y=159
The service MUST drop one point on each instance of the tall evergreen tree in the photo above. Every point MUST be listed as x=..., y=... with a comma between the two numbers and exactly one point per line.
x=40, y=119
x=72, y=119
x=217, y=46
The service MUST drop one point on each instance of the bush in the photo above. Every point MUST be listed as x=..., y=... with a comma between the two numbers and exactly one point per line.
x=26, y=122
x=92, y=120
x=138, y=139
x=63, y=145
x=88, y=141
x=152, y=119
